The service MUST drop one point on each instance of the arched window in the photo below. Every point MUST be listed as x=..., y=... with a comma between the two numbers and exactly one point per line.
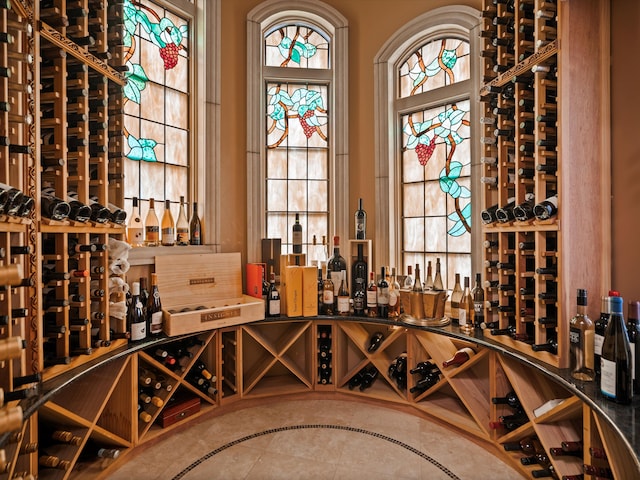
x=165, y=132
x=296, y=138
x=426, y=84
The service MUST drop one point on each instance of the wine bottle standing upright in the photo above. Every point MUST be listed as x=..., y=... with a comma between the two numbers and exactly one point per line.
x=437, y=280
x=273, y=297
x=135, y=227
x=465, y=307
x=168, y=227
x=336, y=264
x=372, y=296
x=456, y=296
x=151, y=226
x=328, y=294
x=428, y=281
x=600, y=328
x=359, y=276
x=296, y=236
x=182, y=226
x=195, y=227
x=154, y=308
x=343, y=295
x=394, y=295
x=361, y=222
x=478, y=303
x=581, y=333
x=615, y=362
x=415, y=297
x=633, y=330
x=136, y=322
x=383, y=295
x=408, y=279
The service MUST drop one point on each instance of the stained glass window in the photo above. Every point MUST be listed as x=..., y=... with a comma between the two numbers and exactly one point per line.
x=436, y=163
x=296, y=46
x=297, y=149
x=436, y=64
x=157, y=104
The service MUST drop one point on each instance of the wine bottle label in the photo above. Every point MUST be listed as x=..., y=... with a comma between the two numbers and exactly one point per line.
x=156, y=321
x=394, y=296
x=274, y=307
x=574, y=337
x=182, y=235
x=138, y=331
x=608, y=378
x=597, y=344
x=383, y=296
x=327, y=296
x=153, y=232
x=372, y=298
x=343, y=304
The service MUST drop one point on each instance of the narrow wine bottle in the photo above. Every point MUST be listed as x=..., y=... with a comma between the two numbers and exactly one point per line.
x=477, y=295
x=360, y=222
x=182, y=226
x=136, y=322
x=328, y=293
x=274, y=297
x=581, y=333
x=372, y=296
x=600, y=328
x=195, y=227
x=456, y=296
x=168, y=227
x=383, y=295
x=151, y=226
x=615, y=362
x=633, y=330
x=154, y=308
x=343, y=295
x=359, y=276
x=135, y=227
x=375, y=341
x=336, y=264
x=460, y=357
x=437, y=280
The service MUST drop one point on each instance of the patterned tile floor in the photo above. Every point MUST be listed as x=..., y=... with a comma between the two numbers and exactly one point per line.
x=314, y=439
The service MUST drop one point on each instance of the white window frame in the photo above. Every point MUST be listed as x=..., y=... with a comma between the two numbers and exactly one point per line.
x=455, y=21
x=260, y=20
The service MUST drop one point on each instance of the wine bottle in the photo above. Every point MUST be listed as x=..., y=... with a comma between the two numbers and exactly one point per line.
x=343, y=295
x=581, y=333
x=383, y=295
x=182, y=226
x=372, y=296
x=375, y=341
x=477, y=295
x=368, y=378
x=551, y=345
x=168, y=227
x=510, y=399
x=328, y=292
x=136, y=321
x=154, y=308
x=53, y=207
x=633, y=330
x=460, y=357
x=296, y=235
x=336, y=264
x=361, y=222
x=273, y=297
x=408, y=279
x=456, y=296
x=151, y=226
x=616, y=381
x=465, y=307
x=600, y=328
x=359, y=276
x=547, y=208
x=135, y=227
x=195, y=227
x=437, y=280
x=394, y=295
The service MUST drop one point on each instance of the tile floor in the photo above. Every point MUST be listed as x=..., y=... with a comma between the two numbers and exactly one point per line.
x=314, y=439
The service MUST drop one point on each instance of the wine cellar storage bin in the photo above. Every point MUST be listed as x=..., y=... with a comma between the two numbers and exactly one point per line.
x=536, y=126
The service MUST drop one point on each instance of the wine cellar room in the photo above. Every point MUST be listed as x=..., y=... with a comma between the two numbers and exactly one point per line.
x=331, y=239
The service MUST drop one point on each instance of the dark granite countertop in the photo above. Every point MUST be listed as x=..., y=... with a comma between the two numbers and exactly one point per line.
x=624, y=419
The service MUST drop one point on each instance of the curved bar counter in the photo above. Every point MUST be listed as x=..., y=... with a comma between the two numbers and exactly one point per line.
x=618, y=430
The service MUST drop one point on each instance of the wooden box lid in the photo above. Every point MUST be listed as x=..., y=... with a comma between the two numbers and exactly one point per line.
x=198, y=279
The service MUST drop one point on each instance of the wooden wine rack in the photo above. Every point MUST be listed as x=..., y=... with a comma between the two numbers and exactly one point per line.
x=536, y=120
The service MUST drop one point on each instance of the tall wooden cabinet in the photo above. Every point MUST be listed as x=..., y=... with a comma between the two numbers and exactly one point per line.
x=545, y=124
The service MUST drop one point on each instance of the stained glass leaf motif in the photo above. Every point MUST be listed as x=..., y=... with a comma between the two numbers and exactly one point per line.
x=449, y=183
x=299, y=50
x=302, y=104
x=141, y=149
x=458, y=229
x=136, y=82
x=445, y=60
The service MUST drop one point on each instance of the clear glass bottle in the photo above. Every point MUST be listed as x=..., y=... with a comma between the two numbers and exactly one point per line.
x=437, y=280
x=182, y=226
x=136, y=322
x=581, y=341
x=394, y=295
x=135, y=227
x=456, y=296
x=408, y=280
x=151, y=226
x=343, y=295
x=168, y=226
x=416, y=300
x=428, y=282
x=372, y=296
x=465, y=307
